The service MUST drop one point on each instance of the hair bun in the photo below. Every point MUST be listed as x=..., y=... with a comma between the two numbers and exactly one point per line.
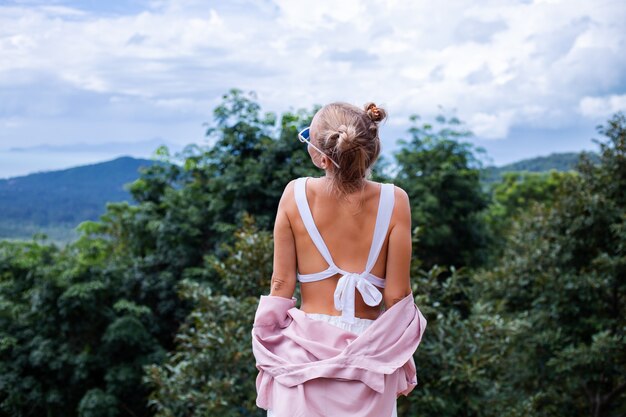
x=345, y=136
x=374, y=112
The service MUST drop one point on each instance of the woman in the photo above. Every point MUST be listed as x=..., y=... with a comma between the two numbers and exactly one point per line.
x=348, y=241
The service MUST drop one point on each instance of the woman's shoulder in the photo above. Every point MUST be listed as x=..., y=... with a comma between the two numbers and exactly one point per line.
x=399, y=192
x=401, y=204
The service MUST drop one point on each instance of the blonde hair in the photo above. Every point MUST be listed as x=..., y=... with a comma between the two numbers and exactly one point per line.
x=349, y=135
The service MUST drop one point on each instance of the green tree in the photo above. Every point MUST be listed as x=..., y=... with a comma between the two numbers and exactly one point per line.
x=212, y=370
x=563, y=271
x=72, y=337
x=459, y=364
x=441, y=175
x=512, y=196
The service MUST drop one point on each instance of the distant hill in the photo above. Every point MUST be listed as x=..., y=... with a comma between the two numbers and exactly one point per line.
x=565, y=161
x=56, y=201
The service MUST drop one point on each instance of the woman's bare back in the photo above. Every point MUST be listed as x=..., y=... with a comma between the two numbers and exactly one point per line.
x=347, y=228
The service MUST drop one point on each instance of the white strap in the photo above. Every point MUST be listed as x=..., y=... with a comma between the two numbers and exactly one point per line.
x=383, y=217
x=307, y=218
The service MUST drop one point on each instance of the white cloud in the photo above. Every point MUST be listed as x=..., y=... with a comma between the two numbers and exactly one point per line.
x=491, y=126
x=602, y=107
x=500, y=63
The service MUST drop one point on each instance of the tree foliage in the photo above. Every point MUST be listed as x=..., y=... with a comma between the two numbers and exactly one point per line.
x=212, y=370
x=441, y=175
x=149, y=312
x=563, y=270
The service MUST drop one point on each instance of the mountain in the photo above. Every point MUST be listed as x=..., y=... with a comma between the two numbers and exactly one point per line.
x=57, y=201
x=54, y=202
x=565, y=161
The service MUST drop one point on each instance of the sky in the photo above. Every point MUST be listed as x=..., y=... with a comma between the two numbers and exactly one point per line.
x=86, y=81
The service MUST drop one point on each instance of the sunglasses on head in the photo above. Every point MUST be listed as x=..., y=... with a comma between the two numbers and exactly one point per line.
x=304, y=136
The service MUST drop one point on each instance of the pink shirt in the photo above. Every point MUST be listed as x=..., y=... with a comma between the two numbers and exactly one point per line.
x=310, y=368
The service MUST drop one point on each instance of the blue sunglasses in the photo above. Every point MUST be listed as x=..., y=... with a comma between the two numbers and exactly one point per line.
x=304, y=136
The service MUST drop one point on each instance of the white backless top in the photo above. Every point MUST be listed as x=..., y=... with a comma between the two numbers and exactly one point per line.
x=365, y=281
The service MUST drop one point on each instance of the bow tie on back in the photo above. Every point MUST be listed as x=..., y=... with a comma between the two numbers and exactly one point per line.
x=345, y=293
